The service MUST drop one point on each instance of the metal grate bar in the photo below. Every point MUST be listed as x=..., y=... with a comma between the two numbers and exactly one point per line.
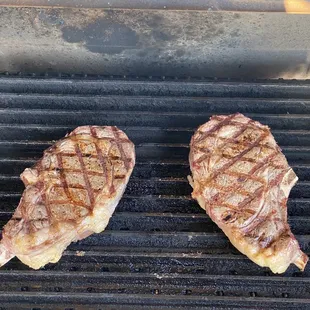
x=159, y=242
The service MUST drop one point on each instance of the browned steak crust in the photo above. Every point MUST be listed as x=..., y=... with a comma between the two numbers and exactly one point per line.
x=242, y=180
x=70, y=193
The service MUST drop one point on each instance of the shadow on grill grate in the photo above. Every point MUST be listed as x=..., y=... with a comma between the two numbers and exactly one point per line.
x=159, y=242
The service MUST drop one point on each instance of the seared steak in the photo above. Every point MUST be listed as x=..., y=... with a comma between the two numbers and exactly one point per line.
x=242, y=180
x=70, y=193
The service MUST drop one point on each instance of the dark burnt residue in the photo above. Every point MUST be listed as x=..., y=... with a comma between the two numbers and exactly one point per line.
x=102, y=36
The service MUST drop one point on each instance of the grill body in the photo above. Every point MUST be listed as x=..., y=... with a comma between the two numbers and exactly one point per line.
x=160, y=250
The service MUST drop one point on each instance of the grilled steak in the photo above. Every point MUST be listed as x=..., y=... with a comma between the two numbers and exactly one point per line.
x=242, y=180
x=70, y=193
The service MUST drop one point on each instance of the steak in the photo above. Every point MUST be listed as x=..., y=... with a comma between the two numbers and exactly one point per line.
x=242, y=180
x=71, y=193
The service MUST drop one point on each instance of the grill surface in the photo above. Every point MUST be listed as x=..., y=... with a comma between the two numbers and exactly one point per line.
x=159, y=249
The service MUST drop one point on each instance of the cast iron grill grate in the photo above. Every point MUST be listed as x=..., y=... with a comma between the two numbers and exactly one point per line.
x=160, y=250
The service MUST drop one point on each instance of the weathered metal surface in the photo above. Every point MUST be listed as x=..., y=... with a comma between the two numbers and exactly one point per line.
x=217, y=5
x=154, y=43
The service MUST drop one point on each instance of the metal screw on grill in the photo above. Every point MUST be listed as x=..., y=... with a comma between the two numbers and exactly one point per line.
x=219, y=293
x=156, y=292
x=253, y=294
x=285, y=295
x=24, y=289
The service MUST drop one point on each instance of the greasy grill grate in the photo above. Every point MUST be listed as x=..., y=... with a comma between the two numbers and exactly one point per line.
x=159, y=249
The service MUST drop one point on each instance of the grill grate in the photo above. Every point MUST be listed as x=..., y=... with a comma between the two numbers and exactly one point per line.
x=159, y=249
